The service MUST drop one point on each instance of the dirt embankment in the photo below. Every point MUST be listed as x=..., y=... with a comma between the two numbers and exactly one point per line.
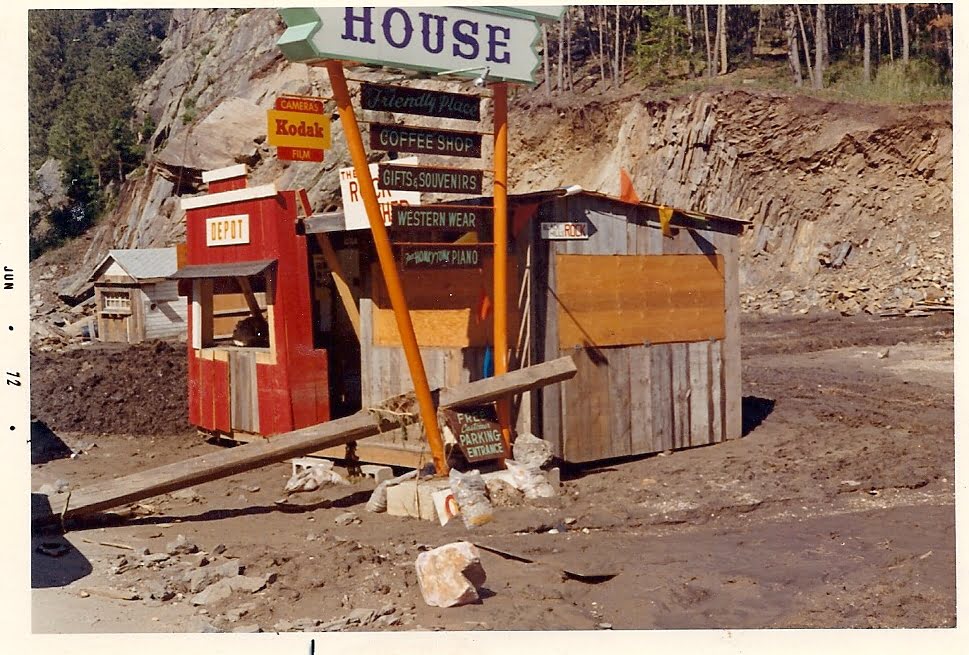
x=96, y=389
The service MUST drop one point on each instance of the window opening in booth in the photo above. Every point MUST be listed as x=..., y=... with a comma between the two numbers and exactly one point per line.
x=235, y=311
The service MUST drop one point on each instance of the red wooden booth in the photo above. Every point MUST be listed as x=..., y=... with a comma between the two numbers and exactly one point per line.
x=244, y=260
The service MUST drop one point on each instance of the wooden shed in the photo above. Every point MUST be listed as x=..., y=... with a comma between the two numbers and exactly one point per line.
x=134, y=298
x=651, y=320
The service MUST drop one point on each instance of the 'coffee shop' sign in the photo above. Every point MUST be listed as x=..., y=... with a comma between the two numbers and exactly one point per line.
x=403, y=138
x=436, y=39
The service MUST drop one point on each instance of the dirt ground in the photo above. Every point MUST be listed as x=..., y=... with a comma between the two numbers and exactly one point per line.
x=835, y=510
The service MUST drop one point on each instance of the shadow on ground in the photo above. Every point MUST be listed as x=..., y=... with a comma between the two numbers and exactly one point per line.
x=54, y=561
x=754, y=411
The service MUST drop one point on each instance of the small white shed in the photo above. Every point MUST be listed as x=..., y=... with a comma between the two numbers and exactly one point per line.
x=134, y=298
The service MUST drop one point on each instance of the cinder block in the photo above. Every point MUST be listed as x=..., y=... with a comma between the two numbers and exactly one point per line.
x=302, y=463
x=377, y=472
x=414, y=498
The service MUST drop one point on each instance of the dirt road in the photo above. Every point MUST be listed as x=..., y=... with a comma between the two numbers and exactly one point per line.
x=835, y=510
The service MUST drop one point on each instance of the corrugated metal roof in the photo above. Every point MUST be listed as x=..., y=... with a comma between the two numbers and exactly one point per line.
x=577, y=190
x=142, y=263
x=223, y=270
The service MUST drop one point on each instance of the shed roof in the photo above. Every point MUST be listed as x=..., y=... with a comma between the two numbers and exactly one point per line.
x=576, y=190
x=141, y=263
x=334, y=221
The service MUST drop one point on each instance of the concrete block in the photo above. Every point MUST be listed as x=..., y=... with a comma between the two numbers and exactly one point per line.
x=377, y=472
x=300, y=464
x=414, y=498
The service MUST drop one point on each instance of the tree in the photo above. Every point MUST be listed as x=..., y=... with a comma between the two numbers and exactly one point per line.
x=902, y=12
x=722, y=35
x=820, y=46
x=866, y=14
x=793, y=59
x=706, y=32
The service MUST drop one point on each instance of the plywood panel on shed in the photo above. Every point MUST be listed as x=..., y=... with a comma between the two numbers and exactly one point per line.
x=444, y=306
x=633, y=299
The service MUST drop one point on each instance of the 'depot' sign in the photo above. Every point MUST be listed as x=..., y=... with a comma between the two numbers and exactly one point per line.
x=422, y=38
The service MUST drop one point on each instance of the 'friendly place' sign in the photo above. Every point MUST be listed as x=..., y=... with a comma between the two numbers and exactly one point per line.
x=420, y=102
x=435, y=39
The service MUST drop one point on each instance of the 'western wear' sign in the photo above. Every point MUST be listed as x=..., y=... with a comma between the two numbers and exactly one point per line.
x=435, y=39
x=440, y=180
x=420, y=102
x=452, y=218
x=403, y=138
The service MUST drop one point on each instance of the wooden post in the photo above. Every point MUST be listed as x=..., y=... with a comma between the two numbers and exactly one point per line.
x=500, y=99
x=243, y=282
x=388, y=266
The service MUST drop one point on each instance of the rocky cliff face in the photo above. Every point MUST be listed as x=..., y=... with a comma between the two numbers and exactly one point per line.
x=851, y=205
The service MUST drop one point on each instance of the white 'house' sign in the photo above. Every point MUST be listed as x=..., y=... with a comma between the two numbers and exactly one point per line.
x=436, y=39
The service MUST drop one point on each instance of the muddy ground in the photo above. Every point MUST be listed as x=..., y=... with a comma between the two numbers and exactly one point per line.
x=835, y=510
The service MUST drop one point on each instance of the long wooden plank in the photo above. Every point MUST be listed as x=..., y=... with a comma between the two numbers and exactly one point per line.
x=681, y=395
x=716, y=391
x=620, y=427
x=225, y=463
x=661, y=389
x=640, y=401
x=699, y=356
x=632, y=299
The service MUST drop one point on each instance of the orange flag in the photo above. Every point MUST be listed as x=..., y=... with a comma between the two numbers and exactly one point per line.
x=626, y=192
x=484, y=305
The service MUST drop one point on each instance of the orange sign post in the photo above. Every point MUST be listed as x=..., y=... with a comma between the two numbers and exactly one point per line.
x=500, y=99
x=385, y=256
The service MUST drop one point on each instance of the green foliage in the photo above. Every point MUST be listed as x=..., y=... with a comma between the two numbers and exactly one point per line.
x=190, y=112
x=922, y=80
x=662, y=52
x=83, y=68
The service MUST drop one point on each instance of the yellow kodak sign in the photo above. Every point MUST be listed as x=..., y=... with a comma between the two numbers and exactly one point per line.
x=298, y=129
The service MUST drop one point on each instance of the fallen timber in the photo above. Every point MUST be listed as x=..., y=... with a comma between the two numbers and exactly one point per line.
x=224, y=463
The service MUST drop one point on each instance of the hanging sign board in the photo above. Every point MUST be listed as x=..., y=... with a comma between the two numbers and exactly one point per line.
x=565, y=231
x=439, y=180
x=420, y=102
x=454, y=218
x=477, y=432
x=354, y=211
x=403, y=138
x=300, y=104
x=441, y=256
x=299, y=154
x=307, y=128
x=227, y=230
x=436, y=39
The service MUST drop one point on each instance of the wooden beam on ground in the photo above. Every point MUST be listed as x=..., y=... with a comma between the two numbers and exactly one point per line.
x=340, y=280
x=278, y=448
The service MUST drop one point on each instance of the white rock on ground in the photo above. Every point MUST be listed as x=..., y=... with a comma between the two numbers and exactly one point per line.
x=531, y=451
x=450, y=575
